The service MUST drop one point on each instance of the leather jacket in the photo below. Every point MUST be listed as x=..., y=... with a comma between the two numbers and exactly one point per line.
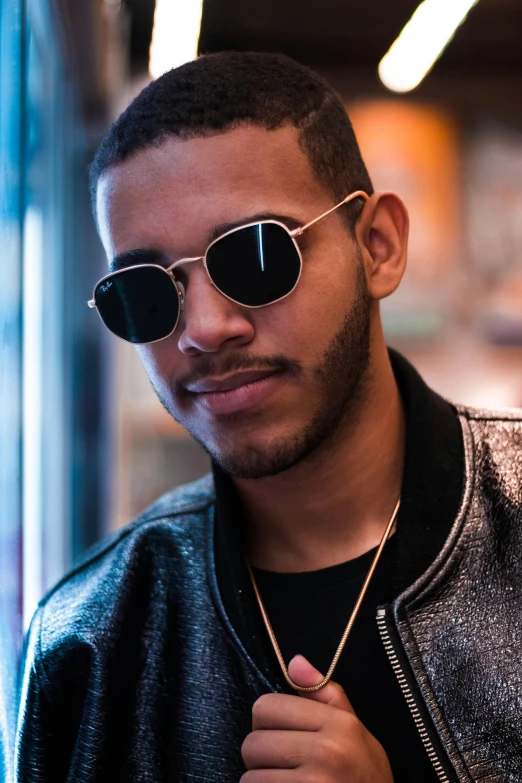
x=134, y=671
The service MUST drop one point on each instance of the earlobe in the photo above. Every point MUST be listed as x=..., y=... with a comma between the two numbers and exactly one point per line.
x=383, y=238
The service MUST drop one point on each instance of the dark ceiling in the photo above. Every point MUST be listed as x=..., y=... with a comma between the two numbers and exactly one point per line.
x=357, y=34
x=350, y=36
x=141, y=13
x=342, y=32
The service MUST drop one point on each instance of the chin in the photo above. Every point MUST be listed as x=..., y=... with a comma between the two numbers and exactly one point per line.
x=251, y=460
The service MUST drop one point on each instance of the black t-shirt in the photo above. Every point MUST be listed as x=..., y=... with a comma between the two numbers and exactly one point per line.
x=309, y=612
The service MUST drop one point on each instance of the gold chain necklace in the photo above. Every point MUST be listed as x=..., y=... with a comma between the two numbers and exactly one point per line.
x=311, y=688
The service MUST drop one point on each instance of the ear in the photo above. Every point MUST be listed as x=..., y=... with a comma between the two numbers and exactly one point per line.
x=382, y=234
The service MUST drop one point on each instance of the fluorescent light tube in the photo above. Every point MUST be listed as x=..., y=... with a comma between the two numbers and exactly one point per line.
x=33, y=361
x=421, y=42
x=175, y=34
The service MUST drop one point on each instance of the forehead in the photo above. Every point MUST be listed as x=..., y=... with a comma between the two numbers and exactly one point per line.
x=198, y=183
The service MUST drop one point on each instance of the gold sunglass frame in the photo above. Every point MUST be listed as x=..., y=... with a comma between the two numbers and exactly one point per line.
x=180, y=290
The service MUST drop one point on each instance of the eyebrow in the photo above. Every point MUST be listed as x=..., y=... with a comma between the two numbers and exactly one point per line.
x=223, y=228
x=151, y=255
x=142, y=255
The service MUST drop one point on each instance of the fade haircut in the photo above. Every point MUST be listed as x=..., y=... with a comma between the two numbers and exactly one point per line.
x=220, y=92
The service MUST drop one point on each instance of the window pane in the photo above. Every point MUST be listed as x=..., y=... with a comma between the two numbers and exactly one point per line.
x=10, y=369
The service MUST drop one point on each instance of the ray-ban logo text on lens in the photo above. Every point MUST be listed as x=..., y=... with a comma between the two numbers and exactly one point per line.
x=105, y=287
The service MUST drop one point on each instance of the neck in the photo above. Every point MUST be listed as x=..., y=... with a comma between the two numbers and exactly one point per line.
x=334, y=505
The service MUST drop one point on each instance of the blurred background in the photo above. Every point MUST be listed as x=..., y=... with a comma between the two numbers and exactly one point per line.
x=84, y=444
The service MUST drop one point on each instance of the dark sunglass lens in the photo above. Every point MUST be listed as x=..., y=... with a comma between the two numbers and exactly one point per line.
x=140, y=304
x=255, y=265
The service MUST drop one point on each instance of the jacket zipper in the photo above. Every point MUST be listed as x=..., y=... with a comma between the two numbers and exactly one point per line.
x=408, y=695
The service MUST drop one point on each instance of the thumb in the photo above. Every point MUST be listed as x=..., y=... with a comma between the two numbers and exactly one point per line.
x=303, y=673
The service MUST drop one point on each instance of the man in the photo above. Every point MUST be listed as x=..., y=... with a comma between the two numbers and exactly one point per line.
x=248, y=256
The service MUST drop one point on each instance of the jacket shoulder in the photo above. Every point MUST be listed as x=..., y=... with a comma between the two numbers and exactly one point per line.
x=507, y=415
x=151, y=562
x=177, y=515
x=493, y=447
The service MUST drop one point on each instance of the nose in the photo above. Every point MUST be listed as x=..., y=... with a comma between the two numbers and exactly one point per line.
x=209, y=320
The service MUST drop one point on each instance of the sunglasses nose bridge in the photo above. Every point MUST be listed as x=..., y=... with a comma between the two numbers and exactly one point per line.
x=179, y=285
x=183, y=261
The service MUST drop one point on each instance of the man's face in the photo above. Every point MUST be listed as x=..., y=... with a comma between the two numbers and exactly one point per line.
x=263, y=388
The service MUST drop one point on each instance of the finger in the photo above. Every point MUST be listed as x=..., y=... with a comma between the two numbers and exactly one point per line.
x=303, y=673
x=289, y=713
x=269, y=776
x=274, y=748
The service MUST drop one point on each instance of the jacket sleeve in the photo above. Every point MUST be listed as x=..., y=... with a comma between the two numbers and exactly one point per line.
x=38, y=758
x=7, y=703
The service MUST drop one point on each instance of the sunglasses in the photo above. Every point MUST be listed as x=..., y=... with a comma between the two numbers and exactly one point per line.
x=253, y=265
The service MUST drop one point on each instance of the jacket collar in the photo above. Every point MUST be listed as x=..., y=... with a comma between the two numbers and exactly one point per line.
x=430, y=497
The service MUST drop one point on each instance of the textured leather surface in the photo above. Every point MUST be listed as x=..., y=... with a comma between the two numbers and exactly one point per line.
x=461, y=622
x=134, y=674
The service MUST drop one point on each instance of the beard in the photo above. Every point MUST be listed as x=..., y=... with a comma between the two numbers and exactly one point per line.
x=340, y=377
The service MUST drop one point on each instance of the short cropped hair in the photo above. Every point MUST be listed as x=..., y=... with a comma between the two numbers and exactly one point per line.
x=223, y=91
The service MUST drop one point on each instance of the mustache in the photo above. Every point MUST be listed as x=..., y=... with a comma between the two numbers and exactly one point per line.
x=207, y=367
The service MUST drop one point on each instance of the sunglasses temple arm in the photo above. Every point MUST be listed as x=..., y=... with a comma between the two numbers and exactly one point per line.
x=358, y=194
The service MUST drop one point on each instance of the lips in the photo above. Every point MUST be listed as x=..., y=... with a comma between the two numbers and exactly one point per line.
x=236, y=392
x=230, y=382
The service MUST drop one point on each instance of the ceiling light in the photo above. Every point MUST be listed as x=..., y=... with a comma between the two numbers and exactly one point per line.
x=421, y=42
x=175, y=34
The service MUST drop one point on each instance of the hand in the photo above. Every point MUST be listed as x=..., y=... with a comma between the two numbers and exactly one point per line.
x=315, y=739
